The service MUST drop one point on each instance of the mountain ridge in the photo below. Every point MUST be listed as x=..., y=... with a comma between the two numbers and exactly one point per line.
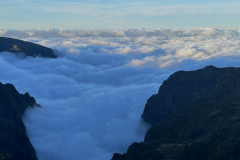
x=28, y=48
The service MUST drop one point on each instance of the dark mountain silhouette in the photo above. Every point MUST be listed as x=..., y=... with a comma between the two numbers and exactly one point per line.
x=28, y=48
x=14, y=143
x=194, y=116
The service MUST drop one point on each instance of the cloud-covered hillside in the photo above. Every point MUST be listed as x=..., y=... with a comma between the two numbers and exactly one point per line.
x=94, y=94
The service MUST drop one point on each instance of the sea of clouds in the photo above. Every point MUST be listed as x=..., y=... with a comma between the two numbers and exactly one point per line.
x=94, y=93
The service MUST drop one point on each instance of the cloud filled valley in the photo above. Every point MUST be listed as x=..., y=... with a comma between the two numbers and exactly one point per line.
x=94, y=93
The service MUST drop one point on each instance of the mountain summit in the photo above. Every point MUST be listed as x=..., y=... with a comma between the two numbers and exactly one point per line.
x=28, y=48
x=194, y=116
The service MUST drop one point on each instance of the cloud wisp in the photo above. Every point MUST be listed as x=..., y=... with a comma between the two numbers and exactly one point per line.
x=150, y=8
x=118, y=14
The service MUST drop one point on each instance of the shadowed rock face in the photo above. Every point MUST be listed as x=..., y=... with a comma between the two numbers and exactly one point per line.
x=14, y=143
x=28, y=48
x=184, y=86
x=194, y=116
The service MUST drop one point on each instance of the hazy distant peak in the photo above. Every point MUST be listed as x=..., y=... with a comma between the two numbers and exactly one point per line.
x=28, y=48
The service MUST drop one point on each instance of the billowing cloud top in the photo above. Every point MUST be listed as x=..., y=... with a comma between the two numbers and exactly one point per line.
x=61, y=33
x=139, y=47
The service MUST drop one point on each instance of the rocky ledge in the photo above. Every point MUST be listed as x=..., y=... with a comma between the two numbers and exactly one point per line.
x=15, y=144
x=28, y=48
x=194, y=116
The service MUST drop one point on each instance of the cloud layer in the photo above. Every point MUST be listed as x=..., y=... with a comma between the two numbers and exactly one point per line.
x=87, y=113
x=94, y=94
x=124, y=32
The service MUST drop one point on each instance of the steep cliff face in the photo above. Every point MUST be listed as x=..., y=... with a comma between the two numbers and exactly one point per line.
x=195, y=115
x=184, y=86
x=28, y=48
x=14, y=141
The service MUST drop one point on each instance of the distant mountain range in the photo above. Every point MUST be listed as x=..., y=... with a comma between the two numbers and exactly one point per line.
x=194, y=116
x=28, y=48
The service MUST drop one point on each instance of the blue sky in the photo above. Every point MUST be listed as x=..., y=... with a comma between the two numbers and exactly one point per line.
x=86, y=14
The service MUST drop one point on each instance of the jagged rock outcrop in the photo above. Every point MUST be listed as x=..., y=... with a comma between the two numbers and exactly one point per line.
x=194, y=116
x=14, y=143
x=28, y=48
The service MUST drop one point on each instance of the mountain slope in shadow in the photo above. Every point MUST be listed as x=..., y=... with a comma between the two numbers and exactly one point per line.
x=194, y=116
x=14, y=143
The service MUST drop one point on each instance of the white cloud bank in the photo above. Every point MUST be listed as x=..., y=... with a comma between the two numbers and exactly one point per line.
x=124, y=32
x=88, y=112
x=94, y=94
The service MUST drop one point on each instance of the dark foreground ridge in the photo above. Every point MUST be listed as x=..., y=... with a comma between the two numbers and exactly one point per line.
x=28, y=48
x=14, y=143
x=194, y=116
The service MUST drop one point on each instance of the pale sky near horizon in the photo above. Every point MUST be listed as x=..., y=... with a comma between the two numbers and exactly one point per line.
x=90, y=14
